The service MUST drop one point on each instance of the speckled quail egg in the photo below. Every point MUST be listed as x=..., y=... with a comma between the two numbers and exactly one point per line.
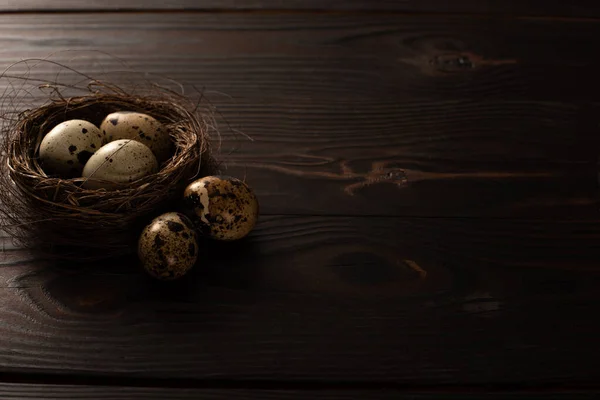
x=168, y=246
x=117, y=164
x=140, y=127
x=225, y=208
x=65, y=150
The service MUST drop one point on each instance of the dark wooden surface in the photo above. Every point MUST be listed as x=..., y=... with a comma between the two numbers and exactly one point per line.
x=429, y=186
x=60, y=392
x=397, y=301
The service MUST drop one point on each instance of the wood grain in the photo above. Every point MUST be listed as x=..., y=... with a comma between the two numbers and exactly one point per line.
x=396, y=300
x=328, y=57
x=58, y=392
x=580, y=8
x=367, y=115
x=411, y=166
x=360, y=123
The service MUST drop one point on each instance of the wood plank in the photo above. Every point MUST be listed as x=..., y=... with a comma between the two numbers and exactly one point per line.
x=449, y=116
x=578, y=8
x=58, y=392
x=24, y=391
x=425, y=159
x=391, y=300
x=351, y=57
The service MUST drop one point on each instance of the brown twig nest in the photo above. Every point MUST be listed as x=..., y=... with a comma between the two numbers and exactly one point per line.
x=62, y=219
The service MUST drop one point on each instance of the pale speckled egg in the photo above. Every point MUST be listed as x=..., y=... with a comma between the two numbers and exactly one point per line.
x=119, y=163
x=168, y=246
x=224, y=208
x=140, y=127
x=66, y=149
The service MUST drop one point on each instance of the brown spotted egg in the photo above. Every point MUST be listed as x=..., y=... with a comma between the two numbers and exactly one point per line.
x=141, y=127
x=117, y=164
x=65, y=150
x=224, y=208
x=168, y=246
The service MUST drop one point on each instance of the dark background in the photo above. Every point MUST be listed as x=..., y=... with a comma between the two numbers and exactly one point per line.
x=428, y=178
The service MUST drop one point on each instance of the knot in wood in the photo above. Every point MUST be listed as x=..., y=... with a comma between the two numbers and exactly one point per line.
x=452, y=63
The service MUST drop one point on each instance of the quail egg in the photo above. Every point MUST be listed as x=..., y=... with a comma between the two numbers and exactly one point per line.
x=224, y=208
x=168, y=246
x=65, y=150
x=140, y=127
x=118, y=163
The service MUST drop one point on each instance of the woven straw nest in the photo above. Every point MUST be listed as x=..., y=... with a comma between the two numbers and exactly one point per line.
x=60, y=218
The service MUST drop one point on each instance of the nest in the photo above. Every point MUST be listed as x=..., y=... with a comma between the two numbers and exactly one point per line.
x=60, y=218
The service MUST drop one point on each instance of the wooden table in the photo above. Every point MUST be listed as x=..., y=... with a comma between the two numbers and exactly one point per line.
x=428, y=176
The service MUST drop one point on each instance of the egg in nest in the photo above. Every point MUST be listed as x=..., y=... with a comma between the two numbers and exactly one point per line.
x=168, y=246
x=118, y=164
x=224, y=208
x=140, y=127
x=66, y=149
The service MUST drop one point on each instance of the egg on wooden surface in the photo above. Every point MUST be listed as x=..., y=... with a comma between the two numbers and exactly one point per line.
x=66, y=149
x=140, y=127
x=224, y=208
x=117, y=164
x=168, y=246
